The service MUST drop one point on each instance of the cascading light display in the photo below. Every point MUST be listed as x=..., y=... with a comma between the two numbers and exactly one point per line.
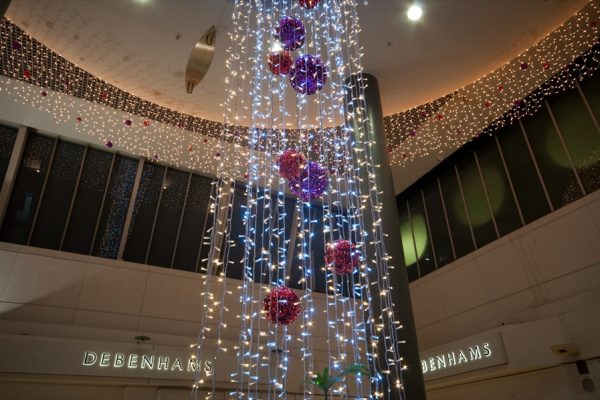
x=286, y=335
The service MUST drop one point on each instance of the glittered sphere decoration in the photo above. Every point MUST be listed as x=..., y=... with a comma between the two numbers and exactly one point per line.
x=280, y=62
x=308, y=75
x=311, y=183
x=308, y=3
x=291, y=164
x=291, y=33
x=342, y=257
x=282, y=306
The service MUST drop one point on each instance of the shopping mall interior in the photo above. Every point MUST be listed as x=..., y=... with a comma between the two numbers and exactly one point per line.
x=298, y=199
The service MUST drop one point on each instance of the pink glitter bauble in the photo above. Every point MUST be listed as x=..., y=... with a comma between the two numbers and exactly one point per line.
x=280, y=62
x=342, y=257
x=291, y=163
x=311, y=183
x=308, y=3
x=282, y=306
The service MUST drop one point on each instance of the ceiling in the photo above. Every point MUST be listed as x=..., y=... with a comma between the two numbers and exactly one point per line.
x=142, y=46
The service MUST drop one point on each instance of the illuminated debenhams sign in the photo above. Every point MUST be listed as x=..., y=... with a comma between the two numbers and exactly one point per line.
x=144, y=362
x=457, y=357
x=481, y=351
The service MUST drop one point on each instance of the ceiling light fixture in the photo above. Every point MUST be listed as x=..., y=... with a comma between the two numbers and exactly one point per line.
x=414, y=13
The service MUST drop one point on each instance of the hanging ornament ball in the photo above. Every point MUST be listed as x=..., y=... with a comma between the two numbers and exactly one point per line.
x=342, y=257
x=291, y=33
x=500, y=88
x=26, y=74
x=311, y=183
x=308, y=3
x=280, y=62
x=546, y=65
x=190, y=148
x=16, y=45
x=282, y=306
x=78, y=119
x=109, y=143
x=146, y=122
x=291, y=163
x=308, y=74
x=156, y=156
x=524, y=66
x=128, y=122
x=44, y=93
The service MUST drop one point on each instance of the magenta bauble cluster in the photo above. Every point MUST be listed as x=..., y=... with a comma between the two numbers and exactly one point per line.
x=311, y=183
x=291, y=164
x=342, y=257
x=282, y=306
x=308, y=3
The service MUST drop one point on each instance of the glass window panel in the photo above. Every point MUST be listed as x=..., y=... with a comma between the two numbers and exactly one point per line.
x=408, y=245
x=551, y=158
x=591, y=90
x=116, y=203
x=455, y=209
x=528, y=189
x=421, y=234
x=498, y=188
x=193, y=228
x=60, y=186
x=27, y=189
x=88, y=200
x=167, y=220
x=480, y=216
x=581, y=136
x=8, y=136
x=144, y=211
x=437, y=223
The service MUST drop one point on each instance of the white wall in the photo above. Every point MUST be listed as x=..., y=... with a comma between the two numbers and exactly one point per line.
x=538, y=286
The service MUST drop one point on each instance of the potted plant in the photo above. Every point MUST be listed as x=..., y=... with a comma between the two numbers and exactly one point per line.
x=326, y=381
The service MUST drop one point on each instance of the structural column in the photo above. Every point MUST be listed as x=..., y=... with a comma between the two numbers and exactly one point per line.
x=408, y=348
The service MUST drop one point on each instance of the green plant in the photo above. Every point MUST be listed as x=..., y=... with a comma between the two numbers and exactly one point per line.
x=326, y=381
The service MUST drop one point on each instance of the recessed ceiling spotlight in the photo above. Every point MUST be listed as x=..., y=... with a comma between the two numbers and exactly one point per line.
x=414, y=13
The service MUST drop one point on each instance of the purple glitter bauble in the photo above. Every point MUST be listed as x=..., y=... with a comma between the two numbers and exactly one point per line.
x=342, y=257
x=308, y=74
x=291, y=33
x=311, y=183
x=109, y=143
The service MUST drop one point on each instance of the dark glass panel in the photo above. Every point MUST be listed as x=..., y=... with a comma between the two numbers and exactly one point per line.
x=528, y=189
x=8, y=135
x=480, y=216
x=591, y=91
x=408, y=244
x=193, y=229
x=497, y=185
x=27, y=189
x=167, y=220
x=455, y=209
x=551, y=158
x=116, y=203
x=143, y=214
x=234, y=251
x=437, y=223
x=421, y=234
x=88, y=200
x=313, y=223
x=581, y=137
x=60, y=186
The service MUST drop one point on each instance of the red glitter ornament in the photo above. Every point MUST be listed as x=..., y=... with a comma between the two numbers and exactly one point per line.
x=282, y=306
x=546, y=65
x=439, y=116
x=109, y=143
x=205, y=140
x=280, y=62
x=524, y=66
x=342, y=257
x=44, y=93
x=128, y=122
x=78, y=119
x=487, y=104
x=500, y=88
x=308, y=3
x=26, y=74
x=190, y=148
x=146, y=122
x=291, y=164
